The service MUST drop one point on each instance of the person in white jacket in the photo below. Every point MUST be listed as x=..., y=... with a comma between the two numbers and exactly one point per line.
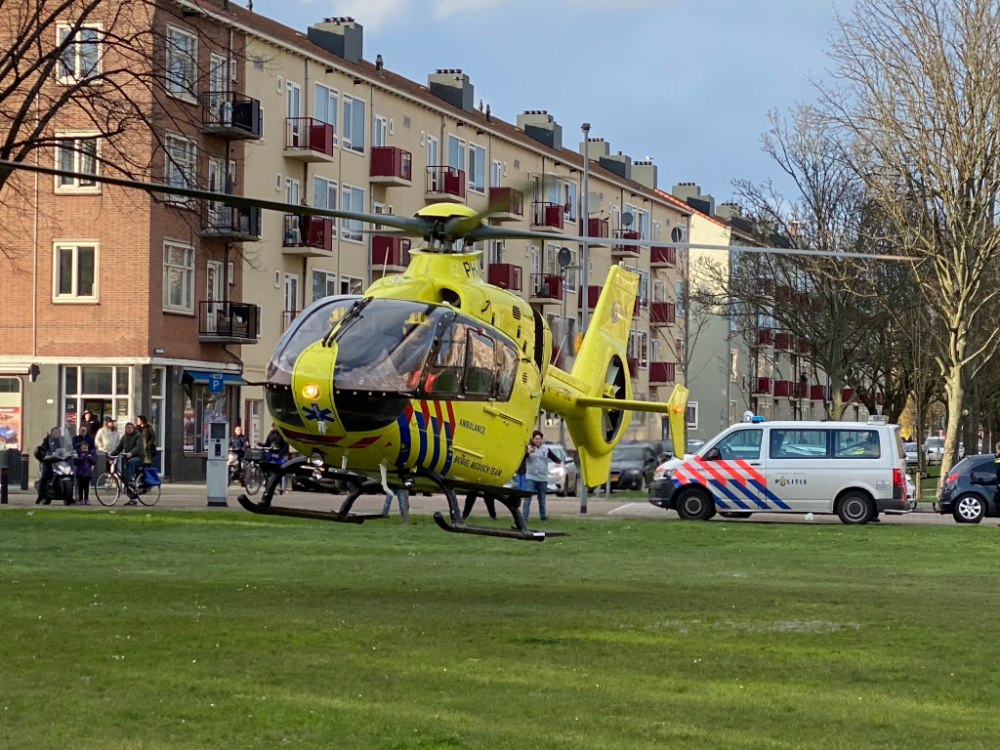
x=108, y=437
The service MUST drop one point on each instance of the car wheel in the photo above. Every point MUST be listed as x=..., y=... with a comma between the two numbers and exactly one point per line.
x=856, y=508
x=694, y=504
x=734, y=514
x=969, y=509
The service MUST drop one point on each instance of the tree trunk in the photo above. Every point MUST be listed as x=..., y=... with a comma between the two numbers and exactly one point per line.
x=955, y=394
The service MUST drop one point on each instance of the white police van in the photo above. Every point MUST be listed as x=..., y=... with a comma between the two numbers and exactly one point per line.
x=856, y=470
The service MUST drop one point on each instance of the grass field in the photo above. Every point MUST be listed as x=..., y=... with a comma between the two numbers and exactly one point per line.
x=162, y=629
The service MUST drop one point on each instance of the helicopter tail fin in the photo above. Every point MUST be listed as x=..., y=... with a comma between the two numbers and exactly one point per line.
x=595, y=398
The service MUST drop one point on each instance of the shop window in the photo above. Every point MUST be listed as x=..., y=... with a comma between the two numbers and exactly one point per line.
x=201, y=408
x=103, y=391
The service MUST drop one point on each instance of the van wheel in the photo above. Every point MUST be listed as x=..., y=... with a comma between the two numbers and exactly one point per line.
x=856, y=508
x=694, y=504
x=735, y=514
x=969, y=509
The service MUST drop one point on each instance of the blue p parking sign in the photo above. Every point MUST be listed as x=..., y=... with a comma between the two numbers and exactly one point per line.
x=215, y=383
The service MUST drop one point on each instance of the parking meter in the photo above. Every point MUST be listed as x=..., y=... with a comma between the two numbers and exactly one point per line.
x=217, y=466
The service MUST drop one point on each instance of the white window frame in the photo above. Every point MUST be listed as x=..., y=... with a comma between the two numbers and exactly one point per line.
x=332, y=97
x=463, y=146
x=170, y=163
x=349, y=139
x=380, y=120
x=352, y=231
x=643, y=291
x=332, y=188
x=293, y=191
x=74, y=296
x=496, y=173
x=351, y=282
x=185, y=89
x=691, y=425
x=329, y=276
x=75, y=47
x=473, y=148
x=75, y=187
x=571, y=193
x=188, y=269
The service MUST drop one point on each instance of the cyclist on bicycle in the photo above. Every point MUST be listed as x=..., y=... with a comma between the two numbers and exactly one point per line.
x=133, y=445
x=276, y=445
x=238, y=443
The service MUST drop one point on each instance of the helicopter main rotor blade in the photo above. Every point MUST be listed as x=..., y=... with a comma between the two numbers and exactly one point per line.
x=412, y=227
x=503, y=233
x=460, y=226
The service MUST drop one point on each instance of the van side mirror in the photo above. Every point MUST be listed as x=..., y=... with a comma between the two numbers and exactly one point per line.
x=663, y=457
x=713, y=455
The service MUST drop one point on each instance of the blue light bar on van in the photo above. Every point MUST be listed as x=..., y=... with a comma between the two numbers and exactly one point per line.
x=757, y=419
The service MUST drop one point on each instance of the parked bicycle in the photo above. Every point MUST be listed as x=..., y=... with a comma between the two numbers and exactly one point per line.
x=247, y=472
x=111, y=483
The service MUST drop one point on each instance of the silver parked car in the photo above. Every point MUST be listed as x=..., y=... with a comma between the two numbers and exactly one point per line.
x=564, y=478
x=912, y=452
x=934, y=451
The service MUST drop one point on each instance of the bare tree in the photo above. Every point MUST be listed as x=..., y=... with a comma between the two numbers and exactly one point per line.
x=916, y=94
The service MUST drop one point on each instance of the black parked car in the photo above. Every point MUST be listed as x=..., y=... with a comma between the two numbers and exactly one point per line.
x=969, y=491
x=632, y=467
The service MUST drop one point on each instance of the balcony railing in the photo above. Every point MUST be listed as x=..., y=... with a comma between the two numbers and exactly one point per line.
x=593, y=293
x=783, y=388
x=547, y=215
x=784, y=342
x=765, y=337
x=228, y=323
x=629, y=250
x=545, y=286
x=390, y=252
x=803, y=346
x=662, y=313
x=662, y=257
x=847, y=395
x=233, y=223
x=763, y=386
x=633, y=367
x=445, y=182
x=287, y=318
x=800, y=390
x=391, y=166
x=308, y=139
x=818, y=393
x=507, y=202
x=304, y=234
x=662, y=373
x=231, y=116
x=597, y=230
x=505, y=275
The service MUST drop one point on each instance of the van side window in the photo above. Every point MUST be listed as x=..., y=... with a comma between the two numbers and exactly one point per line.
x=798, y=443
x=742, y=444
x=856, y=444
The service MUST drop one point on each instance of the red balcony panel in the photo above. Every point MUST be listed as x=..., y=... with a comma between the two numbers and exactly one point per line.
x=765, y=337
x=633, y=367
x=783, y=341
x=390, y=161
x=505, y=276
x=636, y=306
x=308, y=231
x=803, y=346
x=547, y=214
x=593, y=293
x=783, y=388
x=309, y=133
x=390, y=251
x=663, y=256
x=626, y=234
x=817, y=393
x=662, y=372
x=507, y=201
x=446, y=181
x=763, y=386
x=598, y=228
x=766, y=287
x=784, y=294
x=662, y=313
x=546, y=286
x=846, y=395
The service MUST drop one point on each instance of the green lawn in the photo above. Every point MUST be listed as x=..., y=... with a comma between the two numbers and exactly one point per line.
x=162, y=629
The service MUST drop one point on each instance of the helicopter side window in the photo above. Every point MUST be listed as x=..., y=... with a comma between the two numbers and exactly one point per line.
x=481, y=363
x=444, y=375
x=508, y=371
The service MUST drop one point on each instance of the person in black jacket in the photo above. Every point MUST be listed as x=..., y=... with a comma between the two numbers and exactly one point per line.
x=277, y=446
x=49, y=444
x=238, y=443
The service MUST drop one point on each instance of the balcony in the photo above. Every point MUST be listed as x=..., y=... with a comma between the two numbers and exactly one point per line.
x=505, y=275
x=803, y=346
x=783, y=389
x=627, y=251
x=509, y=204
x=763, y=386
x=308, y=140
x=784, y=342
x=391, y=166
x=818, y=393
x=445, y=184
x=765, y=337
x=847, y=395
x=662, y=313
x=390, y=253
x=598, y=232
x=547, y=216
x=662, y=373
x=309, y=236
x=228, y=323
x=230, y=223
x=593, y=293
x=633, y=367
x=546, y=288
x=231, y=116
x=800, y=390
x=287, y=318
x=662, y=257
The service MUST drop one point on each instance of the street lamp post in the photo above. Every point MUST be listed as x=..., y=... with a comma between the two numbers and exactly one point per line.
x=585, y=262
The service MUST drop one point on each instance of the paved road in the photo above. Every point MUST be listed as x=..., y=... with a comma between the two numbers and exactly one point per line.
x=193, y=497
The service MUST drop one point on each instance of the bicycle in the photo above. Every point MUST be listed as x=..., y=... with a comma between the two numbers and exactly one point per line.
x=111, y=483
x=252, y=474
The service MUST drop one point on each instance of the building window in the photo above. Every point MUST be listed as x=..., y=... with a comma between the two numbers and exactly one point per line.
x=81, y=58
x=77, y=154
x=178, y=277
x=75, y=272
x=325, y=194
x=380, y=135
x=352, y=199
x=638, y=347
x=691, y=415
x=180, y=164
x=569, y=202
x=496, y=173
x=354, y=124
x=456, y=152
x=477, y=168
x=644, y=288
x=324, y=284
x=103, y=391
x=325, y=106
x=679, y=298
x=351, y=285
x=181, y=57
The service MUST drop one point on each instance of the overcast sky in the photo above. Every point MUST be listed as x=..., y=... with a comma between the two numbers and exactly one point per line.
x=686, y=82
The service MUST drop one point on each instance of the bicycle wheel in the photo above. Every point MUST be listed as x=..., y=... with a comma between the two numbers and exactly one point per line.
x=253, y=478
x=151, y=496
x=108, y=489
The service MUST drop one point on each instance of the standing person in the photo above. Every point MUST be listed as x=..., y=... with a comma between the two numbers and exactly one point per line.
x=86, y=457
x=403, y=498
x=107, y=437
x=536, y=473
x=92, y=423
x=149, y=439
x=238, y=443
x=277, y=450
x=49, y=444
x=134, y=448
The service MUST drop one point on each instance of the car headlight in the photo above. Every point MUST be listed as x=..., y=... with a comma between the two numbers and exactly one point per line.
x=663, y=474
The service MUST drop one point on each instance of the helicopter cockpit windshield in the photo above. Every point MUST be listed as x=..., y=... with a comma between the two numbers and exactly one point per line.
x=384, y=346
x=313, y=324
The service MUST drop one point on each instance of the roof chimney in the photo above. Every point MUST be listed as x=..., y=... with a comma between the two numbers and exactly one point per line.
x=597, y=148
x=453, y=86
x=644, y=172
x=691, y=194
x=618, y=163
x=540, y=125
x=342, y=36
